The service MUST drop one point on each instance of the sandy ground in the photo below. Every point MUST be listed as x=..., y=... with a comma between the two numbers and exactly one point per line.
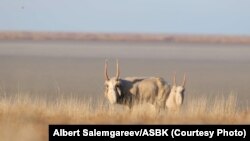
x=76, y=68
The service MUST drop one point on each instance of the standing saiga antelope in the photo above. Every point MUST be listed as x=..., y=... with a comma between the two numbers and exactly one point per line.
x=176, y=95
x=133, y=90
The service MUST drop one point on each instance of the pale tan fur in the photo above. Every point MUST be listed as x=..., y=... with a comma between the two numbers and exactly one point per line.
x=176, y=96
x=134, y=90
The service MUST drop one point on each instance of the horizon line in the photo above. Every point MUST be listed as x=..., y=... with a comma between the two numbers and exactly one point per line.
x=123, y=36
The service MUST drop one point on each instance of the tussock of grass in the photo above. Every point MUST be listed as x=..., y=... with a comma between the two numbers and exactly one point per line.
x=29, y=117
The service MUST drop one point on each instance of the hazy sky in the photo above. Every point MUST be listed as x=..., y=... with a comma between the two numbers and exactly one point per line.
x=147, y=16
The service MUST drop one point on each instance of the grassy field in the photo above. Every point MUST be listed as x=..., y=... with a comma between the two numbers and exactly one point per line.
x=26, y=119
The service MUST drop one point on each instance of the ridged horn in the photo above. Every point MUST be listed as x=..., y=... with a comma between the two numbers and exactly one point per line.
x=184, y=80
x=174, y=79
x=117, y=70
x=106, y=70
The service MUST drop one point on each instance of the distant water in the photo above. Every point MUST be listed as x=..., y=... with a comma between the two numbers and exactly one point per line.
x=76, y=68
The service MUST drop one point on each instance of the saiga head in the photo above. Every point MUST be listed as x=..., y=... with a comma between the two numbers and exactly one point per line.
x=177, y=91
x=112, y=85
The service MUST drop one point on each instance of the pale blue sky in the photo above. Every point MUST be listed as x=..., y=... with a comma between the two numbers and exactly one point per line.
x=136, y=16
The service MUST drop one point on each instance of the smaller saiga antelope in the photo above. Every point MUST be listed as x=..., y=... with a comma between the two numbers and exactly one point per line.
x=176, y=95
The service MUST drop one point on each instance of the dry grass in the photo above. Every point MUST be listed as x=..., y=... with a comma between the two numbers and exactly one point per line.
x=26, y=118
